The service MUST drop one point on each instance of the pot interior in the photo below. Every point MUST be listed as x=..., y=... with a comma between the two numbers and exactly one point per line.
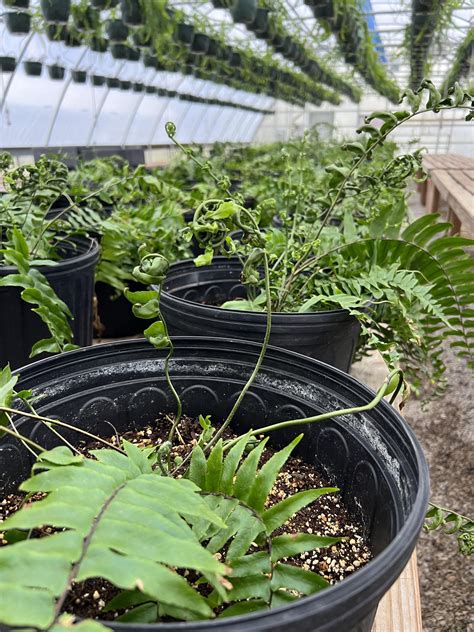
x=372, y=457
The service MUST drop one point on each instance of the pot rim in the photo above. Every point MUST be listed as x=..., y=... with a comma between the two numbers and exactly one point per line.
x=372, y=576
x=87, y=248
x=343, y=314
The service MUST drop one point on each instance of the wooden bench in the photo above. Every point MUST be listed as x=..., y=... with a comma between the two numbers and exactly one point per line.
x=400, y=608
x=451, y=179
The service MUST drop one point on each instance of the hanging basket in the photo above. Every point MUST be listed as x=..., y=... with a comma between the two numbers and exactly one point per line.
x=98, y=44
x=116, y=30
x=17, y=4
x=56, y=10
x=17, y=23
x=79, y=76
x=131, y=12
x=56, y=72
x=98, y=80
x=244, y=11
x=119, y=51
x=134, y=54
x=73, y=39
x=184, y=33
x=112, y=82
x=56, y=32
x=200, y=44
x=85, y=18
x=150, y=61
x=7, y=64
x=104, y=4
x=33, y=68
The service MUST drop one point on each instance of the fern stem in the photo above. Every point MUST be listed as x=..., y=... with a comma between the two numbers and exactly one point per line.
x=261, y=356
x=297, y=269
x=322, y=417
x=17, y=435
x=63, y=424
x=85, y=546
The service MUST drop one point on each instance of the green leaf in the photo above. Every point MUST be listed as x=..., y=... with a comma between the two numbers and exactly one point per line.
x=198, y=467
x=231, y=463
x=247, y=472
x=277, y=515
x=265, y=480
x=7, y=384
x=243, y=607
x=214, y=469
x=288, y=545
x=295, y=578
x=97, y=502
x=156, y=335
x=206, y=258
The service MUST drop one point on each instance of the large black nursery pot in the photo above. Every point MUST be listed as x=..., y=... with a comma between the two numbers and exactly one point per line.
x=190, y=300
x=72, y=278
x=116, y=318
x=373, y=457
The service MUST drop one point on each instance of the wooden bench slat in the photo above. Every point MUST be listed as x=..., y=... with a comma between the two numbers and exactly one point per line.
x=457, y=198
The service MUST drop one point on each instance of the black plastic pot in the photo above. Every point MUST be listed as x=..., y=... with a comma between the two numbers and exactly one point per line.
x=56, y=10
x=134, y=54
x=18, y=4
x=85, y=18
x=98, y=80
x=33, y=68
x=185, y=33
x=150, y=61
x=104, y=4
x=7, y=64
x=200, y=44
x=260, y=23
x=73, y=39
x=17, y=23
x=56, y=32
x=98, y=44
x=131, y=12
x=188, y=303
x=374, y=458
x=125, y=85
x=112, y=82
x=138, y=87
x=141, y=39
x=119, y=51
x=56, y=72
x=150, y=89
x=79, y=76
x=244, y=11
x=73, y=280
x=116, y=30
x=115, y=312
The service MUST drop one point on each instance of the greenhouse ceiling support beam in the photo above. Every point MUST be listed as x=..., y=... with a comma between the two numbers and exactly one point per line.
x=96, y=117
x=63, y=94
x=99, y=111
x=163, y=110
x=20, y=57
x=132, y=118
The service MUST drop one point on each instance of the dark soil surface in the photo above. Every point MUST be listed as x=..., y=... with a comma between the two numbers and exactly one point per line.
x=446, y=432
x=327, y=517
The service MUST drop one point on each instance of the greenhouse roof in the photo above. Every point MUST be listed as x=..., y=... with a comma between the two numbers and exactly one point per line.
x=42, y=106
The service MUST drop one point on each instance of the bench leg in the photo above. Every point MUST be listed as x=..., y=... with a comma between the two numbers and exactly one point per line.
x=454, y=220
x=432, y=198
x=423, y=186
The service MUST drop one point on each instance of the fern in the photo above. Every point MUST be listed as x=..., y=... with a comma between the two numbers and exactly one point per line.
x=37, y=291
x=454, y=524
x=420, y=287
x=122, y=522
x=116, y=518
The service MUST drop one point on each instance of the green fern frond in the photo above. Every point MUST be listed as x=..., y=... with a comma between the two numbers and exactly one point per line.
x=37, y=291
x=123, y=522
